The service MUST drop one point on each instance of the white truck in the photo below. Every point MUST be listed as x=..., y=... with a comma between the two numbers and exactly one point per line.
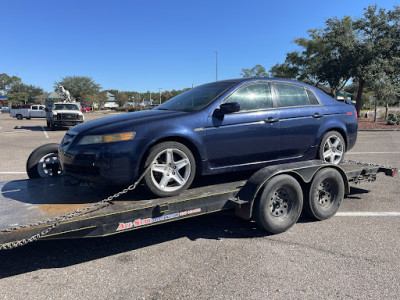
x=35, y=111
x=63, y=114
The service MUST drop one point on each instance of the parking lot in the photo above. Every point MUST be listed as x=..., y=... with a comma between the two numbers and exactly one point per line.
x=355, y=255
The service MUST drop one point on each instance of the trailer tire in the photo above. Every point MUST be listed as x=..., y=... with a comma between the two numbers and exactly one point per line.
x=167, y=177
x=43, y=162
x=325, y=195
x=19, y=117
x=280, y=204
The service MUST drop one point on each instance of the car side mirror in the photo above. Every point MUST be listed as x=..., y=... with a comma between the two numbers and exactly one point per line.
x=228, y=108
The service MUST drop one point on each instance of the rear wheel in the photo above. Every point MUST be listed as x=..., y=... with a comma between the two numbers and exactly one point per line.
x=172, y=169
x=43, y=162
x=279, y=206
x=19, y=117
x=325, y=195
x=332, y=148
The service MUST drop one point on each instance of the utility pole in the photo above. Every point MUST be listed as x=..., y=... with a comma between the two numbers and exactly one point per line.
x=160, y=94
x=216, y=65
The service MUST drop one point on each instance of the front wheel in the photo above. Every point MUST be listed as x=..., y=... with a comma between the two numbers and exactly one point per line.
x=43, y=162
x=332, y=148
x=172, y=169
x=279, y=206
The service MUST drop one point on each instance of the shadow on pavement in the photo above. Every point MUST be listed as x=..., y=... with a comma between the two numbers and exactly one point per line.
x=64, y=253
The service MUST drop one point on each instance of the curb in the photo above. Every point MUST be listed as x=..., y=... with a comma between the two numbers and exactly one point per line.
x=378, y=130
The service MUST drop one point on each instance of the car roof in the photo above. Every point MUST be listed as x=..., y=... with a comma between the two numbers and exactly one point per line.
x=276, y=79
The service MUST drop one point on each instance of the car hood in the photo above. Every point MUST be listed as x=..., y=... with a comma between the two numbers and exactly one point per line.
x=124, y=121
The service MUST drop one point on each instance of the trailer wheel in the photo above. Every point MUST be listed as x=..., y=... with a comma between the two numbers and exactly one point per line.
x=172, y=171
x=43, y=162
x=279, y=206
x=19, y=117
x=325, y=194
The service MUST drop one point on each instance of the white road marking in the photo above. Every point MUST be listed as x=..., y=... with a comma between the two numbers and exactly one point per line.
x=369, y=214
x=45, y=132
x=358, y=153
x=5, y=173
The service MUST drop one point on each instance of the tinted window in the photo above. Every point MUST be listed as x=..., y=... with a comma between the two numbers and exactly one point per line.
x=291, y=95
x=196, y=98
x=34, y=107
x=252, y=97
x=311, y=97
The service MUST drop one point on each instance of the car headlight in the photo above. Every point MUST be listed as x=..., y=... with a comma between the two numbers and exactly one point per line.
x=107, y=138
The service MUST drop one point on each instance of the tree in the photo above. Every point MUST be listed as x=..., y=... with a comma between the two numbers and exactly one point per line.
x=166, y=95
x=21, y=92
x=378, y=33
x=256, y=71
x=323, y=58
x=6, y=82
x=78, y=86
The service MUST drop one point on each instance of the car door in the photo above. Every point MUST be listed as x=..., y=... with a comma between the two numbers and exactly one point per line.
x=301, y=116
x=34, y=111
x=250, y=135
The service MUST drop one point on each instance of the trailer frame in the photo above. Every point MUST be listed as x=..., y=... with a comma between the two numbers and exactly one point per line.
x=126, y=210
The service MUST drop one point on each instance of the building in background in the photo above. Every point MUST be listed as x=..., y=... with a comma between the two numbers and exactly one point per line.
x=110, y=101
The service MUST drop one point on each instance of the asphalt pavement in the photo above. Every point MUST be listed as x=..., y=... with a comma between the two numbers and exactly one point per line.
x=354, y=255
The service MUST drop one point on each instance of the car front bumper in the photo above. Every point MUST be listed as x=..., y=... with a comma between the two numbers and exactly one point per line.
x=113, y=163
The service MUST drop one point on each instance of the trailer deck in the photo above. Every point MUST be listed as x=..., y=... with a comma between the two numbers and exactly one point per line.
x=27, y=207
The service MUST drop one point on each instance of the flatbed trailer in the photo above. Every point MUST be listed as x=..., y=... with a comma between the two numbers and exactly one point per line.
x=275, y=196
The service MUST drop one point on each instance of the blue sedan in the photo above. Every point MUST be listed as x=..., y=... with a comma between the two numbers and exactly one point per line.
x=219, y=127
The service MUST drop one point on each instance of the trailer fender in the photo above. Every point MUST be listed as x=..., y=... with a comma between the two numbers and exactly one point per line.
x=303, y=172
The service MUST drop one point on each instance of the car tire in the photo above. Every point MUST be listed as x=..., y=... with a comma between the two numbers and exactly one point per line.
x=172, y=169
x=28, y=118
x=280, y=204
x=19, y=117
x=325, y=195
x=332, y=148
x=43, y=162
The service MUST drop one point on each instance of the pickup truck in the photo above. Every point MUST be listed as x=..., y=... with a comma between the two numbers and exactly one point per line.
x=35, y=111
x=63, y=114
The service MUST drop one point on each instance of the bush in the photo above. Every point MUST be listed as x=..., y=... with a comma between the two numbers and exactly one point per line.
x=394, y=118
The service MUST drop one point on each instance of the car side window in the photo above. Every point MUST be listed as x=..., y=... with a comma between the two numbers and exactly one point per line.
x=34, y=107
x=252, y=97
x=312, y=98
x=291, y=95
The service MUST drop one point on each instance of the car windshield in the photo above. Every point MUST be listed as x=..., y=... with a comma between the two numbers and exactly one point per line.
x=196, y=98
x=66, y=106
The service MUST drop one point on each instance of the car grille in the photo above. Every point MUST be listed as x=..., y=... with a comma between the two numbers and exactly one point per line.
x=67, y=117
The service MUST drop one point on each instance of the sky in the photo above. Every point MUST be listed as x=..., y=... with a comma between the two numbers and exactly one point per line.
x=147, y=45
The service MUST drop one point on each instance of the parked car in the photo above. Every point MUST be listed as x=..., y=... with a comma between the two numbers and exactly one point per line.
x=219, y=127
x=34, y=111
x=85, y=109
x=5, y=109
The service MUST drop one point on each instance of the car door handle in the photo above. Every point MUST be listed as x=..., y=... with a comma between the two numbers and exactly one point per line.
x=317, y=115
x=271, y=120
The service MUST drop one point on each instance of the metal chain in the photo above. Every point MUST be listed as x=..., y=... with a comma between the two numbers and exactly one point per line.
x=58, y=220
